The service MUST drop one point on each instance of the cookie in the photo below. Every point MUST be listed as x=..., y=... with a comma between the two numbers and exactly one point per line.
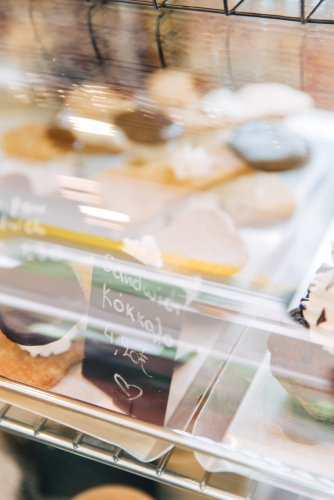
x=112, y=492
x=173, y=88
x=147, y=127
x=136, y=201
x=192, y=167
x=38, y=142
x=272, y=100
x=44, y=373
x=202, y=234
x=270, y=147
x=306, y=371
x=98, y=102
x=255, y=101
x=49, y=284
x=256, y=199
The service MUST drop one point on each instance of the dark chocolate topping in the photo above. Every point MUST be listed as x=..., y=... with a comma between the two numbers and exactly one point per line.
x=61, y=137
x=322, y=318
x=147, y=127
x=297, y=315
x=59, y=289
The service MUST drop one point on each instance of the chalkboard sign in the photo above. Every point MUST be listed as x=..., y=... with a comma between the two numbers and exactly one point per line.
x=131, y=354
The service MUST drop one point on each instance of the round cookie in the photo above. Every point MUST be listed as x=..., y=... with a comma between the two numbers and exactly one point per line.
x=272, y=99
x=146, y=127
x=269, y=146
x=97, y=101
x=38, y=142
x=173, y=88
x=256, y=199
x=112, y=492
x=255, y=101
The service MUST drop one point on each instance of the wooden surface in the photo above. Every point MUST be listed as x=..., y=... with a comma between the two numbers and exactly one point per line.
x=52, y=43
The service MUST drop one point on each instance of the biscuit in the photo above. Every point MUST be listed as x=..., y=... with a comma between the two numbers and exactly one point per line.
x=41, y=142
x=44, y=373
x=256, y=199
x=225, y=165
x=173, y=88
x=269, y=146
x=203, y=234
x=37, y=142
x=136, y=201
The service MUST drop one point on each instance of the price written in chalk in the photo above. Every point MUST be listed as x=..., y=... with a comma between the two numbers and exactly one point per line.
x=141, y=321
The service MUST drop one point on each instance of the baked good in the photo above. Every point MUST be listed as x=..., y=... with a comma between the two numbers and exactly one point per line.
x=173, y=88
x=306, y=371
x=270, y=147
x=255, y=101
x=41, y=372
x=112, y=492
x=191, y=166
x=38, y=348
x=38, y=142
x=256, y=199
x=147, y=127
x=138, y=201
x=272, y=99
x=98, y=102
x=305, y=368
x=204, y=235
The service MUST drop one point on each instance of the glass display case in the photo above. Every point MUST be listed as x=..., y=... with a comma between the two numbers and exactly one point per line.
x=165, y=201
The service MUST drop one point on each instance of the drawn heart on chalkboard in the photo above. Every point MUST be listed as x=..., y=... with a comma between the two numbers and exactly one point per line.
x=131, y=391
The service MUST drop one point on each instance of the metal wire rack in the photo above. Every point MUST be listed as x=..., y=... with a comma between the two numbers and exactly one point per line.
x=24, y=424
x=304, y=11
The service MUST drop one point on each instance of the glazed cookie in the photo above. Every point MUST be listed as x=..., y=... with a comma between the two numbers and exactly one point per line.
x=173, y=88
x=269, y=146
x=255, y=101
x=256, y=199
x=136, y=201
x=203, y=234
x=191, y=166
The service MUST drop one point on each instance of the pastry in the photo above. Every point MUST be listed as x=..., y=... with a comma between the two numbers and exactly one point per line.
x=38, y=142
x=38, y=348
x=148, y=127
x=173, y=88
x=44, y=373
x=255, y=101
x=112, y=492
x=270, y=147
x=272, y=99
x=305, y=368
x=256, y=199
x=97, y=101
x=194, y=167
x=306, y=371
x=136, y=201
x=202, y=234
